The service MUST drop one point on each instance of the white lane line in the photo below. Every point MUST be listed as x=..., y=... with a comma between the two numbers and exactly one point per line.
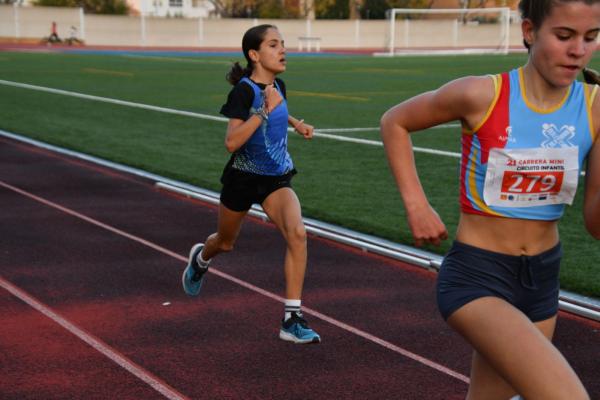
x=112, y=354
x=333, y=321
x=113, y=101
x=378, y=143
x=589, y=309
x=376, y=129
x=318, y=132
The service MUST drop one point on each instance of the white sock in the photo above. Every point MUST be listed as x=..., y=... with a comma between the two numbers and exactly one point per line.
x=201, y=261
x=291, y=305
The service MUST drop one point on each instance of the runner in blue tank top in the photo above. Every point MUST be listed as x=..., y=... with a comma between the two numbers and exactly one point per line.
x=525, y=136
x=260, y=171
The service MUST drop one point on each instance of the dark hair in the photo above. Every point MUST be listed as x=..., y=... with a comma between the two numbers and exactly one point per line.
x=251, y=41
x=537, y=10
x=591, y=76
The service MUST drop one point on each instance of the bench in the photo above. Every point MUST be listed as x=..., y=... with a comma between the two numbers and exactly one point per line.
x=308, y=42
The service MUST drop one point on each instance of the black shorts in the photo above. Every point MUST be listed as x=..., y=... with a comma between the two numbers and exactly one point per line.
x=242, y=189
x=529, y=283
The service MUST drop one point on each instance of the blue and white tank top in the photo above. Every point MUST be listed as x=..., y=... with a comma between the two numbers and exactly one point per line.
x=265, y=153
x=522, y=161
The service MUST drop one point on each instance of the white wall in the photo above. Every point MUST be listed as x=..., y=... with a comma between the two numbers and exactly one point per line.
x=109, y=30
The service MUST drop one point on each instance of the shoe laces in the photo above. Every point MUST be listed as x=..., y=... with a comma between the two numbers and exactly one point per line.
x=198, y=272
x=297, y=318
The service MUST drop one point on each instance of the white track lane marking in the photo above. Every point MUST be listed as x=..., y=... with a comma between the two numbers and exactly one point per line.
x=318, y=133
x=96, y=343
x=333, y=321
x=380, y=144
x=113, y=101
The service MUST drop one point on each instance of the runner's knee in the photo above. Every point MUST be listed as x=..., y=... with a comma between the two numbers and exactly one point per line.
x=296, y=235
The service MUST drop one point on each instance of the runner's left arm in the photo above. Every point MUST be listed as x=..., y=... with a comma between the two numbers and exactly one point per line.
x=301, y=127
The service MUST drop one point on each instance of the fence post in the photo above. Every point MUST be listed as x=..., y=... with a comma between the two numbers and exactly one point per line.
x=200, y=30
x=81, y=23
x=506, y=30
x=455, y=33
x=16, y=16
x=392, y=38
x=143, y=29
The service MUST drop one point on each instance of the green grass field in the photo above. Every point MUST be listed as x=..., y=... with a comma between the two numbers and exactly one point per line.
x=348, y=184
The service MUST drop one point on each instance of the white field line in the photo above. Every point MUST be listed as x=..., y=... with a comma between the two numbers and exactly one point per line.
x=365, y=335
x=378, y=143
x=318, y=132
x=376, y=129
x=112, y=101
x=94, y=342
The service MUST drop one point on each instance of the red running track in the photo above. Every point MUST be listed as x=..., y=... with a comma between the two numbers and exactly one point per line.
x=92, y=304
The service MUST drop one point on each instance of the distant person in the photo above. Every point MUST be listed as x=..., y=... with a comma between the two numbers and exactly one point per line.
x=525, y=137
x=260, y=171
x=53, y=38
x=73, y=36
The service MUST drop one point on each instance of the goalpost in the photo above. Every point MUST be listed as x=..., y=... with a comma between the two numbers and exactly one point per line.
x=448, y=31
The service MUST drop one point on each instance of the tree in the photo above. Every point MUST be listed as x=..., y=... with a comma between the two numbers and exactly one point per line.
x=409, y=3
x=373, y=9
x=278, y=9
x=472, y=3
x=219, y=6
x=332, y=9
x=354, y=8
x=119, y=7
x=239, y=8
x=376, y=9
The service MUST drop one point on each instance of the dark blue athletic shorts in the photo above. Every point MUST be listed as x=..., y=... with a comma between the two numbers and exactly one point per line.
x=530, y=283
x=242, y=189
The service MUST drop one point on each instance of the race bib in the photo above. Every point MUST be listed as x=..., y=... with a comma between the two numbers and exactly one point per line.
x=531, y=177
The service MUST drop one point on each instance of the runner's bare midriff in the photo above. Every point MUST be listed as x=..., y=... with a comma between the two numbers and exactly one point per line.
x=507, y=235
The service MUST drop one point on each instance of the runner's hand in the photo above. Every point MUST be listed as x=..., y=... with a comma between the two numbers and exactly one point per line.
x=426, y=226
x=304, y=129
x=272, y=97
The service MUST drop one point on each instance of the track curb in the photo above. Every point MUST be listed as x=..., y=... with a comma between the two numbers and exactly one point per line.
x=570, y=302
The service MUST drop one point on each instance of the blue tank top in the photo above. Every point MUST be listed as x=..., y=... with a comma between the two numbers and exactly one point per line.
x=265, y=153
x=512, y=123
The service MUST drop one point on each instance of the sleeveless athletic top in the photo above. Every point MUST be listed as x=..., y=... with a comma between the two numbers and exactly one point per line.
x=265, y=153
x=522, y=161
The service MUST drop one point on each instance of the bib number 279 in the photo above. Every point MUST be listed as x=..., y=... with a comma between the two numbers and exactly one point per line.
x=532, y=182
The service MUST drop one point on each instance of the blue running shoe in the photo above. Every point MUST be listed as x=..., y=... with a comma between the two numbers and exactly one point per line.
x=296, y=330
x=193, y=276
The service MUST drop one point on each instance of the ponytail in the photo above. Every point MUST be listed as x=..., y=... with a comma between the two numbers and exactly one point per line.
x=236, y=73
x=591, y=76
